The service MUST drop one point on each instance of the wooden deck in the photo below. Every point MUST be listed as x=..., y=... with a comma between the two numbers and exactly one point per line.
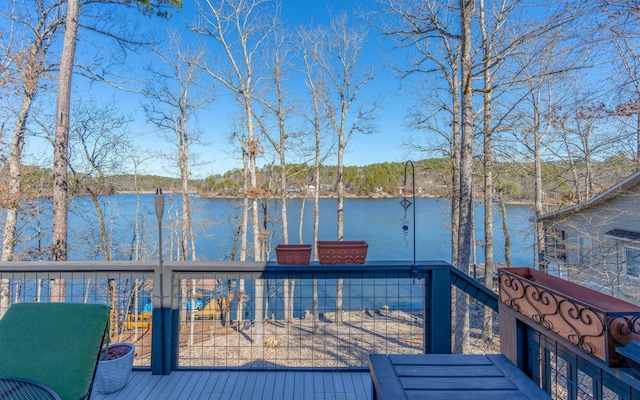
x=236, y=385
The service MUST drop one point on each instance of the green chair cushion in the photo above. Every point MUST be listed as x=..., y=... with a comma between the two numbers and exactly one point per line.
x=56, y=344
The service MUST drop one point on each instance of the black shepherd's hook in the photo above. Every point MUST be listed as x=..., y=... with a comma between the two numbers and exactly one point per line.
x=406, y=203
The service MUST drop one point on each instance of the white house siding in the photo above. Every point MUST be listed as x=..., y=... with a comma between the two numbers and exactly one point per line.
x=594, y=260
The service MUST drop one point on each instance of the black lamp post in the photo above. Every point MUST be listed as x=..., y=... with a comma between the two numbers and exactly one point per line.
x=406, y=204
x=158, y=201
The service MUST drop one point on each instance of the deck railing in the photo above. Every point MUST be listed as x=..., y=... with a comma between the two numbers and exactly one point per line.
x=385, y=307
x=561, y=368
x=205, y=315
x=122, y=285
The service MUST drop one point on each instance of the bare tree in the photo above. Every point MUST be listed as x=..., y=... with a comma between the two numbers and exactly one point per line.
x=61, y=145
x=466, y=169
x=24, y=64
x=241, y=28
x=487, y=59
x=62, y=123
x=98, y=143
x=425, y=27
x=541, y=66
x=315, y=86
x=337, y=55
x=279, y=66
x=628, y=88
x=278, y=61
x=580, y=124
x=26, y=67
x=174, y=95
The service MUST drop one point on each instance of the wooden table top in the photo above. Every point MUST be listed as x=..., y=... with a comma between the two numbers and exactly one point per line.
x=450, y=376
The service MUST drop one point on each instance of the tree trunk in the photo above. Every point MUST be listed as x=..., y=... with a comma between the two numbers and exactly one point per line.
x=316, y=209
x=455, y=179
x=61, y=146
x=538, y=205
x=340, y=172
x=487, y=326
x=243, y=240
x=12, y=206
x=283, y=177
x=304, y=201
x=505, y=231
x=10, y=239
x=588, y=167
x=252, y=151
x=466, y=174
x=104, y=247
x=572, y=166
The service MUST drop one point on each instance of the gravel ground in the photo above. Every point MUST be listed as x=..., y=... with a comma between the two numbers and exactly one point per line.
x=332, y=346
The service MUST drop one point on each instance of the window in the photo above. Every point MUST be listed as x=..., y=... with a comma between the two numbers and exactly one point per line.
x=585, y=251
x=632, y=261
x=555, y=244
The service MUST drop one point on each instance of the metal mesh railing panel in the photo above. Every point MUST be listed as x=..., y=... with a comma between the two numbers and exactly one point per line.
x=474, y=326
x=128, y=293
x=223, y=325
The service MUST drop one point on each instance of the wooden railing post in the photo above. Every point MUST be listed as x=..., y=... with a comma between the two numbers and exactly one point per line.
x=513, y=342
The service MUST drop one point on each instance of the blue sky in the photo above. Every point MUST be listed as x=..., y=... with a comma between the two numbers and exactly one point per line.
x=215, y=123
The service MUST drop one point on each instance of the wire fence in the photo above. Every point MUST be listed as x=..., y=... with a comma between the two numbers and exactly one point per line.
x=290, y=319
x=127, y=293
x=475, y=327
x=297, y=321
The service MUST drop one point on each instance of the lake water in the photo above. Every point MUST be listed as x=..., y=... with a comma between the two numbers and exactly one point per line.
x=377, y=221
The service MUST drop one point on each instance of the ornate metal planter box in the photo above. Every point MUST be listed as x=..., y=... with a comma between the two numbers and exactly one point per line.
x=293, y=253
x=592, y=321
x=344, y=252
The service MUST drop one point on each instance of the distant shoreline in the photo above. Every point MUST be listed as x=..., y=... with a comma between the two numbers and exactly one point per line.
x=331, y=196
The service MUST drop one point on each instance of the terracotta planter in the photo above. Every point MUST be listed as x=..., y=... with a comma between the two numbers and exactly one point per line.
x=590, y=320
x=345, y=252
x=293, y=253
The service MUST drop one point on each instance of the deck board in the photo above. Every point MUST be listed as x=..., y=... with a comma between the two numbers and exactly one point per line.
x=289, y=385
x=269, y=383
x=239, y=389
x=307, y=387
x=195, y=387
x=278, y=386
x=266, y=385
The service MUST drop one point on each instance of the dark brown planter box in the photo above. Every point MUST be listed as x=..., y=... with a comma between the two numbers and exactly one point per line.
x=293, y=253
x=344, y=252
x=594, y=322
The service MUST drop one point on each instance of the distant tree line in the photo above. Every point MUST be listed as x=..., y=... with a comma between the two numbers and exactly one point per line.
x=376, y=180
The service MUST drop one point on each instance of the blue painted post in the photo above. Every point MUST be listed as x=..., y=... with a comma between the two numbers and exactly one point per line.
x=439, y=302
x=159, y=352
x=172, y=324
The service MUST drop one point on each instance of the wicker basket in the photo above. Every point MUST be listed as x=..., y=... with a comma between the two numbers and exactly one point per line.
x=113, y=374
x=293, y=253
x=344, y=252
